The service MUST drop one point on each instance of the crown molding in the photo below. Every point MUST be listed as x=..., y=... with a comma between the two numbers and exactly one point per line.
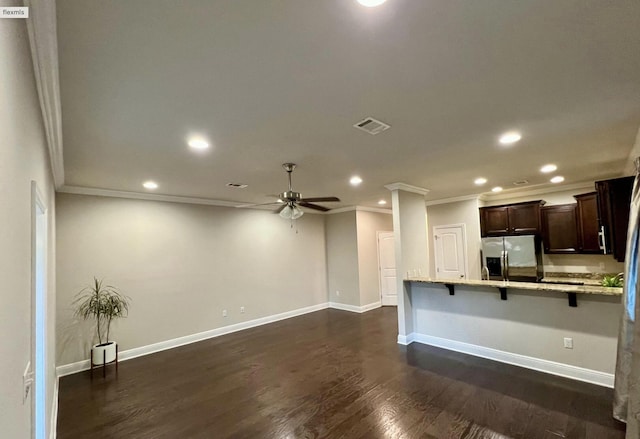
x=359, y=209
x=540, y=189
x=43, y=40
x=407, y=188
x=452, y=200
x=80, y=190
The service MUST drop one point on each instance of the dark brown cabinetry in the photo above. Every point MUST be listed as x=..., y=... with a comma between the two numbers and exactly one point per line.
x=512, y=219
x=588, y=222
x=560, y=229
x=614, y=198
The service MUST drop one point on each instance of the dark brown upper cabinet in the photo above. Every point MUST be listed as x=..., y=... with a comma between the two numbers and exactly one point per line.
x=614, y=199
x=560, y=229
x=588, y=223
x=511, y=219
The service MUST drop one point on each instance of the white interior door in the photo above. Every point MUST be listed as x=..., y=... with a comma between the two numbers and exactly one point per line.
x=450, y=252
x=387, y=268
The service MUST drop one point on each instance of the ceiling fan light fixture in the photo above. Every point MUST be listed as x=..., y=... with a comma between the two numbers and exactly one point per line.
x=291, y=212
x=296, y=212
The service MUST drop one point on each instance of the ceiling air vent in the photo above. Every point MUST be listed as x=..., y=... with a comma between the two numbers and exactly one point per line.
x=372, y=126
x=520, y=182
x=237, y=185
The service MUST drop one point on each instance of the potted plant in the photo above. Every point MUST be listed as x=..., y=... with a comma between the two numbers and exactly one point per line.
x=101, y=303
x=613, y=280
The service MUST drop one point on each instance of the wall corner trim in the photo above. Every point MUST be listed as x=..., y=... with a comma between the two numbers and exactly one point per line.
x=560, y=369
x=355, y=308
x=407, y=188
x=79, y=366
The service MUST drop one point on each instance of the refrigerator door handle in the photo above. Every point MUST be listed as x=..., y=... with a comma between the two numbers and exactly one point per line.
x=506, y=265
x=603, y=243
x=502, y=264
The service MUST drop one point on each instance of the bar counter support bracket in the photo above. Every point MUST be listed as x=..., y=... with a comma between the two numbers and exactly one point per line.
x=573, y=299
x=503, y=293
x=451, y=289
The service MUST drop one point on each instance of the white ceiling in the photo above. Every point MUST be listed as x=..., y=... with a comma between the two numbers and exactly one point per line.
x=284, y=80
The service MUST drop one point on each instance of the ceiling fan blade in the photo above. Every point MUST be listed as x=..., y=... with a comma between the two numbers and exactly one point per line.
x=280, y=209
x=243, y=206
x=313, y=206
x=313, y=200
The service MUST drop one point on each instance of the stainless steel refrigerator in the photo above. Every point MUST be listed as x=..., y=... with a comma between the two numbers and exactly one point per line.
x=516, y=258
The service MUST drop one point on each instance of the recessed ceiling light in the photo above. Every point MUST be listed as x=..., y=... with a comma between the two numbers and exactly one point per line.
x=198, y=143
x=510, y=137
x=480, y=181
x=548, y=168
x=355, y=180
x=382, y=202
x=557, y=179
x=371, y=3
x=496, y=189
x=150, y=185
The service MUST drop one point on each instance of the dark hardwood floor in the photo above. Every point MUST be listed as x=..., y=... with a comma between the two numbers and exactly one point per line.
x=329, y=374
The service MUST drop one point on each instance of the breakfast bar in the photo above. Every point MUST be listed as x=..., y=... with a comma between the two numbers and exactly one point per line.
x=572, y=291
x=523, y=323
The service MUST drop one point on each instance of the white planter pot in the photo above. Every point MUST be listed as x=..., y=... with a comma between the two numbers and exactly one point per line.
x=104, y=353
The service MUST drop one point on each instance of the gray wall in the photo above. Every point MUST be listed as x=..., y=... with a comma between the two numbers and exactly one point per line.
x=528, y=323
x=182, y=265
x=368, y=224
x=23, y=158
x=461, y=212
x=342, y=258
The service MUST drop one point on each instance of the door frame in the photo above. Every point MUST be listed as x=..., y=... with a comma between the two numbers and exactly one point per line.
x=465, y=258
x=39, y=284
x=378, y=233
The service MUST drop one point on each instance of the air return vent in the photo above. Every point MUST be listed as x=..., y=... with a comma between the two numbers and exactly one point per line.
x=372, y=126
x=520, y=182
x=237, y=185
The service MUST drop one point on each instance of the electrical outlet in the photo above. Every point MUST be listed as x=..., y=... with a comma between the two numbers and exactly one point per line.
x=224, y=313
x=338, y=293
x=568, y=343
x=242, y=310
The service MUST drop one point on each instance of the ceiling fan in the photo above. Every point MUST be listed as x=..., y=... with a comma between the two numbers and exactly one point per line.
x=291, y=201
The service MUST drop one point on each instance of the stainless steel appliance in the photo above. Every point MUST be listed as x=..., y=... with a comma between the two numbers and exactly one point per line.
x=512, y=258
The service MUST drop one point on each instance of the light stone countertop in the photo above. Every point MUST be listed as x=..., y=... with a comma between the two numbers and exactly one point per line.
x=572, y=280
x=535, y=286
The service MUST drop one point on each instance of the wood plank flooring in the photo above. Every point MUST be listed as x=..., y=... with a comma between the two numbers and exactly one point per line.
x=329, y=374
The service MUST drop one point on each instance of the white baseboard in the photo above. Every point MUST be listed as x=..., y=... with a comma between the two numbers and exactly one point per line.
x=354, y=308
x=405, y=339
x=390, y=301
x=79, y=366
x=552, y=367
x=53, y=427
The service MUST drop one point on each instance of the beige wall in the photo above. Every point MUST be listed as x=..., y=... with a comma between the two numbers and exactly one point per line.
x=461, y=212
x=352, y=256
x=182, y=265
x=368, y=224
x=528, y=323
x=23, y=158
x=342, y=258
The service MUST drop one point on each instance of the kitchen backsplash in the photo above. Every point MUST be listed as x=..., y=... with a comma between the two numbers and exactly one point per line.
x=581, y=264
